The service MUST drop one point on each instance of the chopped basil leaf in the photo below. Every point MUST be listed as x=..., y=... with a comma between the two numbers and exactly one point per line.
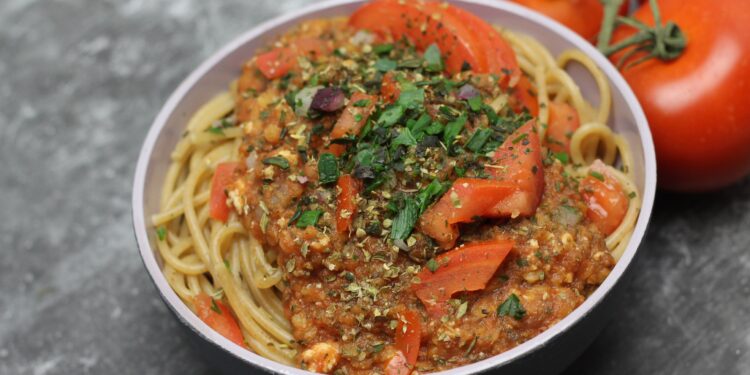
x=512, y=308
x=295, y=216
x=475, y=103
x=391, y=115
x=632, y=195
x=411, y=99
x=385, y=64
x=278, y=161
x=433, y=61
x=596, y=175
x=562, y=157
x=405, y=138
x=432, y=265
x=453, y=129
x=362, y=103
x=427, y=195
x=215, y=307
x=161, y=232
x=309, y=218
x=405, y=220
x=381, y=49
x=328, y=168
x=520, y=138
x=478, y=139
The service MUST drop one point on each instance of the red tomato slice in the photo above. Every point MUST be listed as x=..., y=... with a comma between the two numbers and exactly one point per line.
x=523, y=98
x=417, y=21
x=219, y=317
x=563, y=121
x=408, y=335
x=465, y=268
x=466, y=200
x=500, y=56
x=389, y=88
x=519, y=161
x=349, y=123
x=223, y=176
x=346, y=206
x=279, y=61
x=606, y=200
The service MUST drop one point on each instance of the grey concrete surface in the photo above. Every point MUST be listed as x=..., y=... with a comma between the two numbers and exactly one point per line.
x=80, y=82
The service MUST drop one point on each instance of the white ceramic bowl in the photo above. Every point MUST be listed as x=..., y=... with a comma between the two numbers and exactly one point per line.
x=546, y=353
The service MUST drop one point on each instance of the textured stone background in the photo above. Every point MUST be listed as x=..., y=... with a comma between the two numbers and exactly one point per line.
x=80, y=82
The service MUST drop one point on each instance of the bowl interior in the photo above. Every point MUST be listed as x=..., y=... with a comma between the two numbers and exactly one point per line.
x=214, y=75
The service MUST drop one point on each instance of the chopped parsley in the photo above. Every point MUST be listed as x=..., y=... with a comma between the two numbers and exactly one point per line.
x=385, y=64
x=596, y=175
x=432, y=265
x=309, y=218
x=278, y=161
x=328, y=169
x=432, y=59
x=161, y=232
x=215, y=307
x=511, y=307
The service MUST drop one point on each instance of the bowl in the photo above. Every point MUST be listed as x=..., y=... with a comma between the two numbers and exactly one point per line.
x=547, y=353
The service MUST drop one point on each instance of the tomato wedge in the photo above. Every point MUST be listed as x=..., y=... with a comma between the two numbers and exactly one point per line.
x=277, y=62
x=523, y=98
x=519, y=161
x=217, y=316
x=466, y=200
x=605, y=199
x=563, y=121
x=465, y=268
x=346, y=206
x=389, y=88
x=223, y=176
x=408, y=335
x=423, y=24
x=352, y=119
x=500, y=56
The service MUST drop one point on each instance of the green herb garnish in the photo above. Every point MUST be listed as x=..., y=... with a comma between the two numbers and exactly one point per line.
x=309, y=218
x=381, y=49
x=278, y=161
x=432, y=265
x=512, y=308
x=596, y=175
x=161, y=232
x=328, y=168
x=385, y=64
x=432, y=59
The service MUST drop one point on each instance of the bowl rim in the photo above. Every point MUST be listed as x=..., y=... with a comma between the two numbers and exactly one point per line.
x=185, y=315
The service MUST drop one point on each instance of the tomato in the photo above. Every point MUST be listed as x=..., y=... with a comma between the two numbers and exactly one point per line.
x=466, y=200
x=352, y=118
x=408, y=335
x=605, y=199
x=462, y=37
x=397, y=19
x=563, y=121
x=223, y=176
x=465, y=268
x=500, y=56
x=519, y=161
x=522, y=98
x=277, y=62
x=697, y=104
x=346, y=203
x=515, y=189
x=582, y=16
x=219, y=317
x=389, y=89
